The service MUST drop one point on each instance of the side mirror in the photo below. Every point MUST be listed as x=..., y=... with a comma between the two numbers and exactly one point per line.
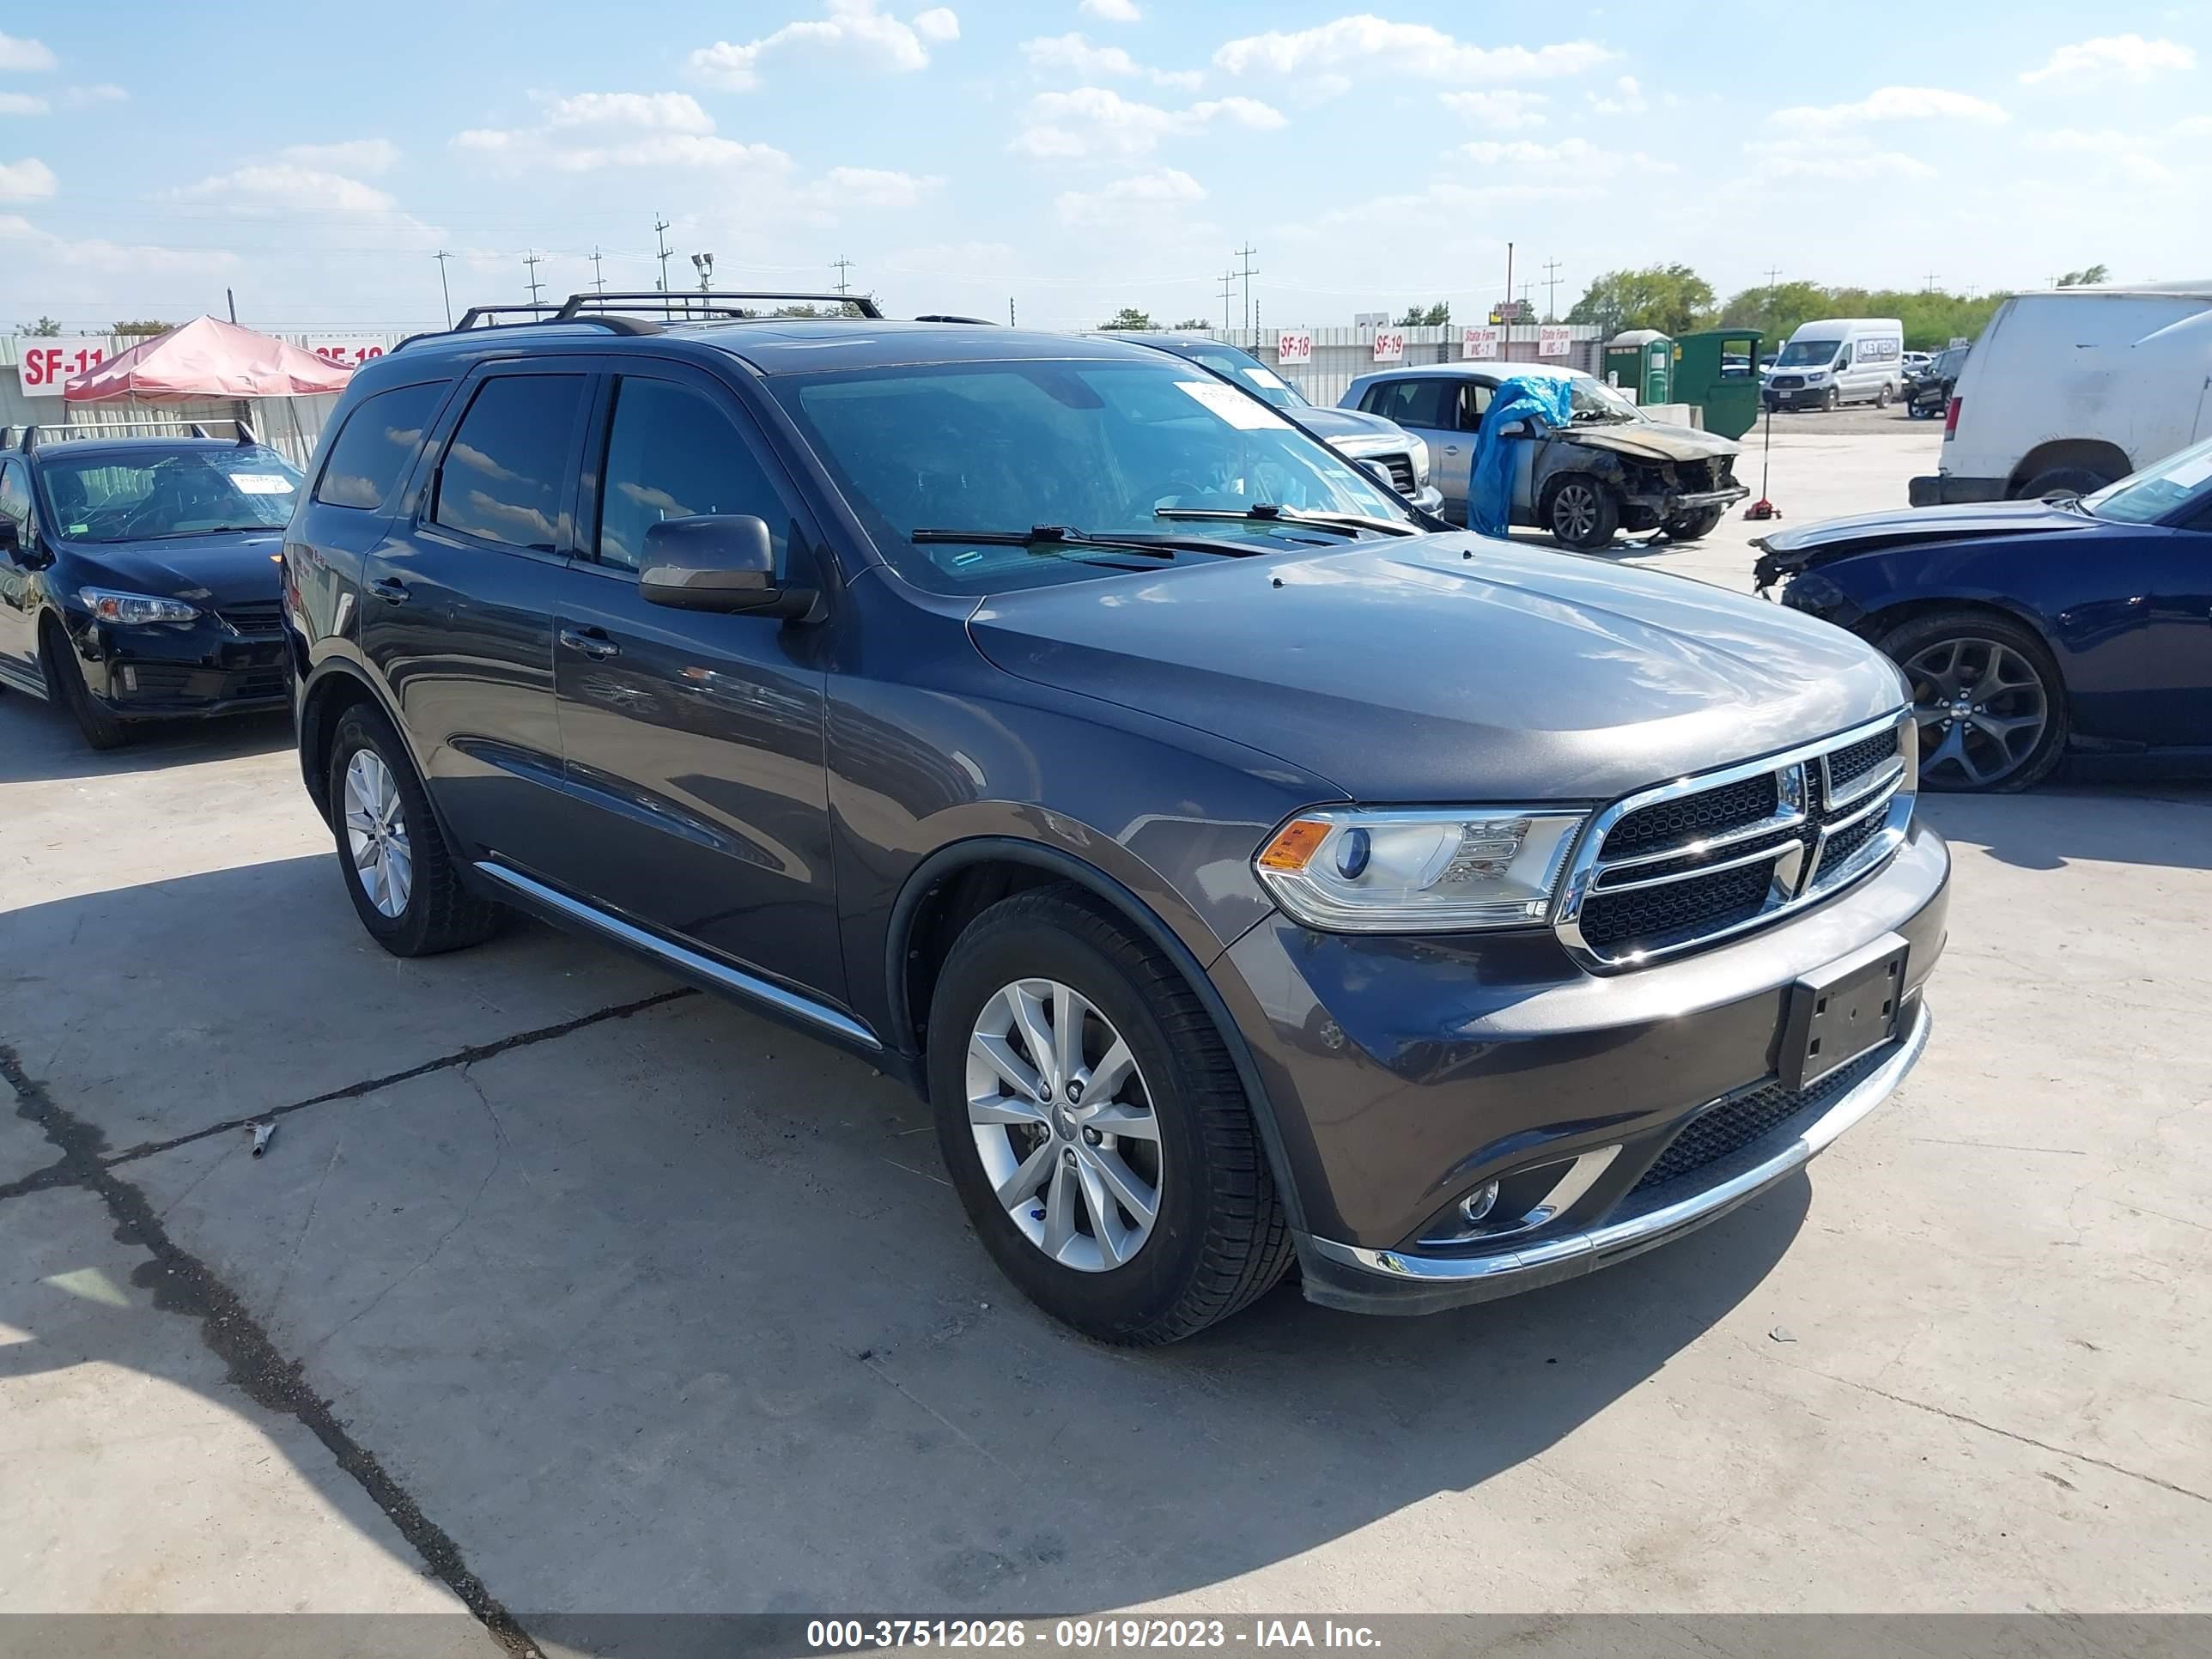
x=717, y=562
x=1519, y=429
x=11, y=537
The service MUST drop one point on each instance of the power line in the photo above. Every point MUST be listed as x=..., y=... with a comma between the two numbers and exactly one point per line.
x=1245, y=253
x=842, y=266
x=531, y=261
x=441, y=256
x=659, y=225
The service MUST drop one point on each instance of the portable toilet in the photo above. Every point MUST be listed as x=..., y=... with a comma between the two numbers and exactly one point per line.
x=1641, y=362
x=1718, y=368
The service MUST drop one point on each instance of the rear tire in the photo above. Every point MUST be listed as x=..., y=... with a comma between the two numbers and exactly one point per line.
x=99, y=728
x=1978, y=681
x=2074, y=480
x=1881, y=398
x=1176, y=1129
x=1581, y=512
x=1692, y=526
x=404, y=882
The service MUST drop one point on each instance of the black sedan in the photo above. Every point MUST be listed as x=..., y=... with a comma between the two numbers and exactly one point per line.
x=139, y=580
x=2075, y=628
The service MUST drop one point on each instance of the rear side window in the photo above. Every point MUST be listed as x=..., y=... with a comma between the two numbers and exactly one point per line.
x=502, y=474
x=377, y=440
x=672, y=454
x=1415, y=403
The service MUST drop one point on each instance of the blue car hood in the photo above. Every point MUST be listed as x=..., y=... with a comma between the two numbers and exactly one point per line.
x=208, y=571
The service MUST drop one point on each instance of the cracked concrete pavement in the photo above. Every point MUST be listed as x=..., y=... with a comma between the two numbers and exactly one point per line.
x=563, y=1290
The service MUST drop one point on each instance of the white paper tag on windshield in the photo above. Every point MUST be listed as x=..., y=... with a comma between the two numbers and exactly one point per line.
x=2189, y=474
x=1265, y=377
x=1241, y=410
x=261, y=483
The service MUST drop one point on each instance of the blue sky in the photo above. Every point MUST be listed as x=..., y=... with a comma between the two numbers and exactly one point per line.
x=1076, y=155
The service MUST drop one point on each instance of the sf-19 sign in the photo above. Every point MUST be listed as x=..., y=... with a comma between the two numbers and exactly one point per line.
x=47, y=369
x=352, y=353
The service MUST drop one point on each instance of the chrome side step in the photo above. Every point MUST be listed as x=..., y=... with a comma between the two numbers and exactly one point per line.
x=735, y=981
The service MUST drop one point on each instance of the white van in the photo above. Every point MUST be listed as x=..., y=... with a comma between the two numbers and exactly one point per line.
x=2073, y=388
x=1842, y=360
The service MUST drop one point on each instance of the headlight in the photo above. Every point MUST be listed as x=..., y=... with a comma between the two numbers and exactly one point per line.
x=132, y=609
x=1816, y=376
x=1423, y=870
x=1421, y=460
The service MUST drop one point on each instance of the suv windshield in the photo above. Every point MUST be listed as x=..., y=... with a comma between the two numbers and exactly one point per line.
x=2177, y=480
x=1807, y=353
x=142, y=494
x=1590, y=400
x=1105, y=448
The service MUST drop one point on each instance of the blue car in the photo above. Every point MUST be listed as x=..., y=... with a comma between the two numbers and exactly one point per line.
x=2076, y=628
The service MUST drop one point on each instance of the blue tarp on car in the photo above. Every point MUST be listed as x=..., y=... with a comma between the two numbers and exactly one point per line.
x=1490, y=484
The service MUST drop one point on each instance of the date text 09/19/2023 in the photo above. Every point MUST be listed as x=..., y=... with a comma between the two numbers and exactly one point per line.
x=860, y=1635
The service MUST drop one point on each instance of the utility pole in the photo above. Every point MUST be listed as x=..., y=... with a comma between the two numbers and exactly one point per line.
x=660, y=224
x=1506, y=311
x=1930, y=288
x=842, y=266
x=231, y=300
x=1772, y=273
x=1245, y=253
x=598, y=281
x=531, y=261
x=705, y=261
x=441, y=256
x=1228, y=295
x=1551, y=290
x=1010, y=310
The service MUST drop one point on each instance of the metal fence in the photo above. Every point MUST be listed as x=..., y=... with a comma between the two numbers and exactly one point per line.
x=1340, y=356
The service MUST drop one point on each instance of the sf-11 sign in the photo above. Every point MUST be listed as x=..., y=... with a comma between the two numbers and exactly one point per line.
x=46, y=369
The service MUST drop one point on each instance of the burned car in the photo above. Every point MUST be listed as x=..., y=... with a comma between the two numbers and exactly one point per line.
x=1612, y=467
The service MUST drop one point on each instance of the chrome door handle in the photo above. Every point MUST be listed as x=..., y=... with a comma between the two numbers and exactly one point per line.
x=591, y=641
x=391, y=590
x=1451, y=449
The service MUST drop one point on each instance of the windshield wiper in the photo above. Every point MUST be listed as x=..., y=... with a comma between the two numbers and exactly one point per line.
x=1268, y=512
x=1062, y=535
x=210, y=530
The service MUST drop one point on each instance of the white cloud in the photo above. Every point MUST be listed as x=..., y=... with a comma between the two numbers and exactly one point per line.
x=1839, y=159
x=275, y=186
x=1098, y=121
x=878, y=187
x=28, y=180
x=22, y=103
x=1074, y=55
x=26, y=56
x=2111, y=57
x=1577, y=157
x=2125, y=153
x=1411, y=49
x=1625, y=99
x=350, y=156
x=1895, y=104
x=666, y=111
x=101, y=92
x=1112, y=11
x=27, y=242
x=1505, y=110
x=854, y=26
x=1145, y=193
x=589, y=131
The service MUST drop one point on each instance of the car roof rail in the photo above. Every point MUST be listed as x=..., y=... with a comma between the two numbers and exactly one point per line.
x=477, y=318
x=27, y=438
x=947, y=317
x=714, y=305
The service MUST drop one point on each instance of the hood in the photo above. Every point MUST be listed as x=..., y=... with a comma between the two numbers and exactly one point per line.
x=207, y=571
x=1787, y=551
x=1653, y=441
x=1450, y=668
x=1335, y=424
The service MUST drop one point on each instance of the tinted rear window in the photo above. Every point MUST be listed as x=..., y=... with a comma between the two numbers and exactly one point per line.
x=379, y=440
x=502, y=475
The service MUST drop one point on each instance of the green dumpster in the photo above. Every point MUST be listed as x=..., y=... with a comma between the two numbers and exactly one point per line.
x=1641, y=362
x=1718, y=368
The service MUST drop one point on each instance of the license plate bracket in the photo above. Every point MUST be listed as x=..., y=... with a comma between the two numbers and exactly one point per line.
x=1839, y=1013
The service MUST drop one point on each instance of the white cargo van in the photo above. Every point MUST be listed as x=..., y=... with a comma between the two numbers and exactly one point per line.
x=2073, y=388
x=1842, y=360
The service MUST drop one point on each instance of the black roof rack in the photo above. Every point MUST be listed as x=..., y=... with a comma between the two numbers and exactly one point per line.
x=609, y=311
x=947, y=317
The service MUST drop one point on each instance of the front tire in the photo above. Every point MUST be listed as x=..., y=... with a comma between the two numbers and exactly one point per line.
x=99, y=728
x=1692, y=526
x=1833, y=401
x=1094, y=1125
x=1583, y=514
x=1987, y=697
x=405, y=881
x=2063, y=480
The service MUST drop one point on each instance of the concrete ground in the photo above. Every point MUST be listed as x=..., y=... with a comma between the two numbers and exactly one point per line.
x=561, y=1289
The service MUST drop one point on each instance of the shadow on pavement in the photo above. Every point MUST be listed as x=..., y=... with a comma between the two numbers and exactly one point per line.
x=39, y=742
x=2048, y=828
x=674, y=1312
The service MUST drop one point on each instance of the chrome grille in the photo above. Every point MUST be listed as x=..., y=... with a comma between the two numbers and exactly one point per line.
x=1688, y=863
x=1401, y=470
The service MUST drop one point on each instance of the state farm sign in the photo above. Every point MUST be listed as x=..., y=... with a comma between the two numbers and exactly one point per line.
x=46, y=369
x=1480, y=341
x=1554, y=342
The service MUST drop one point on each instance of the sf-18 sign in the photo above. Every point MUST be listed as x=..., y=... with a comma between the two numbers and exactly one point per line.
x=1294, y=347
x=1390, y=346
x=46, y=368
x=1481, y=342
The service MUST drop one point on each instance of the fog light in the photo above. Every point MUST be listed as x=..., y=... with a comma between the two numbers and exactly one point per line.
x=130, y=679
x=1478, y=1204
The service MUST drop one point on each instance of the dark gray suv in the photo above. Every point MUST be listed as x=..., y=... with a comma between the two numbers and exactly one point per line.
x=1248, y=878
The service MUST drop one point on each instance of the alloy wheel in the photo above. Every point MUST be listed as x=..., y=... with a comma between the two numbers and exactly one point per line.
x=1574, y=511
x=1064, y=1125
x=1982, y=708
x=376, y=832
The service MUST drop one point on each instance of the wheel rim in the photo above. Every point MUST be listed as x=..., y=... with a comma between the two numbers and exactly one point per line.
x=376, y=833
x=1574, y=511
x=1982, y=709
x=1064, y=1125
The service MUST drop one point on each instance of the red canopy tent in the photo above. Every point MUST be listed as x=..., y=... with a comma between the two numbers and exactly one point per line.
x=207, y=358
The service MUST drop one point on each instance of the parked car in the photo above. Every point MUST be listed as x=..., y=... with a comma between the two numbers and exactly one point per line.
x=1245, y=875
x=1839, y=360
x=138, y=577
x=1916, y=363
x=1615, y=468
x=2032, y=631
x=1928, y=392
x=1363, y=437
x=2074, y=388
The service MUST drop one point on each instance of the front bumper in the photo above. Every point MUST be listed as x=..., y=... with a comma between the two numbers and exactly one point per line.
x=1402, y=1074
x=1808, y=397
x=171, y=674
x=1699, y=500
x=1945, y=490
